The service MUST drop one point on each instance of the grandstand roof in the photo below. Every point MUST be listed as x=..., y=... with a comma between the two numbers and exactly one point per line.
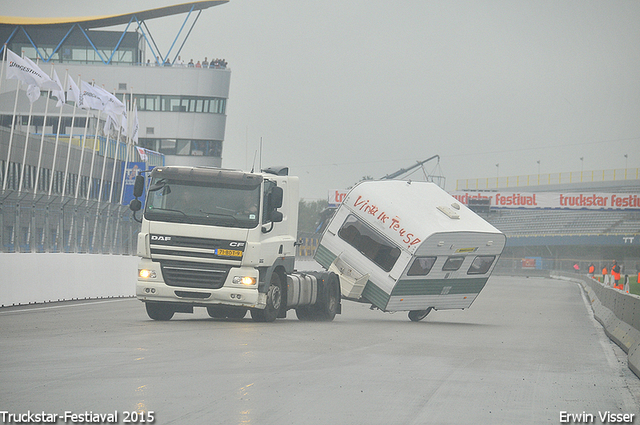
x=111, y=20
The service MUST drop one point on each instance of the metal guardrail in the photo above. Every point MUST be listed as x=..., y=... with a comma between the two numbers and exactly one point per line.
x=64, y=224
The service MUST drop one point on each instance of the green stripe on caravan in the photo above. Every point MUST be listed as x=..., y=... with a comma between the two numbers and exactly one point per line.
x=324, y=257
x=436, y=286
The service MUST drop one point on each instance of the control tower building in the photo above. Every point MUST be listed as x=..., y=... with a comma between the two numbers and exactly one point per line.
x=181, y=109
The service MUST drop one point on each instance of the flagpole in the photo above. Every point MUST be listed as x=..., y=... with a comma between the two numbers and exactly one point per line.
x=4, y=63
x=113, y=177
x=13, y=124
x=104, y=162
x=55, y=149
x=113, y=172
x=66, y=166
x=26, y=146
x=44, y=125
x=124, y=167
x=126, y=160
x=93, y=154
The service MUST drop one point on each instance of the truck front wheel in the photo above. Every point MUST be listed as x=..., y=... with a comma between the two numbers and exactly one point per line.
x=274, y=302
x=159, y=311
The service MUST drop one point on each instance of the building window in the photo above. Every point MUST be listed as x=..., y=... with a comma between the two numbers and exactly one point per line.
x=167, y=103
x=183, y=147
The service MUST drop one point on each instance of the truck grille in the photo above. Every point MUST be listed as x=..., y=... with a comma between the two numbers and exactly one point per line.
x=194, y=275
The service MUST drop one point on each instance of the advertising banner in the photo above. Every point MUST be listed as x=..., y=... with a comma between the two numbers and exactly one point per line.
x=555, y=200
x=129, y=178
x=336, y=197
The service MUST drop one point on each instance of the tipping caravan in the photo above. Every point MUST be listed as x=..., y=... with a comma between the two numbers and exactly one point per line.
x=409, y=246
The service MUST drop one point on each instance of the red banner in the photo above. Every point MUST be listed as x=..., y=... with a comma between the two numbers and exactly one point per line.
x=555, y=200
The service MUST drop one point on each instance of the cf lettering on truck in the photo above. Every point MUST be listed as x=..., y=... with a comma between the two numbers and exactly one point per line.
x=224, y=240
x=409, y=246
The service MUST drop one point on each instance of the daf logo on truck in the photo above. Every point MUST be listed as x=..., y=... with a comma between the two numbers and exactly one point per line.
x=160, y=238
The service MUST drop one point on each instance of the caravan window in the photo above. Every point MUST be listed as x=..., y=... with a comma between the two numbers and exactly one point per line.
x=369, y=243
x=421, y=266
x=481, y=264
x=452, y=264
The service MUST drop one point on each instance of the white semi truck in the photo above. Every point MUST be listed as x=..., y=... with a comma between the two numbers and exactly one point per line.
x=225, y=240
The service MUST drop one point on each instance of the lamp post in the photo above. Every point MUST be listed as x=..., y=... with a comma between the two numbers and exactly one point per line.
x=626, y=158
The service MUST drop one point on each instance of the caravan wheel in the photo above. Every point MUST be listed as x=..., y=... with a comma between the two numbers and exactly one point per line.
x=418, y=315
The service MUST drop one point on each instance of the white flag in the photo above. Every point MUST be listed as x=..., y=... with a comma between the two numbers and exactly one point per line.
x=74, y=93
x=58, y=93
x=33, y=93
x=90, y=97
x=112, y=105
x=136, y=125
x=143, y=153
x=25, y=70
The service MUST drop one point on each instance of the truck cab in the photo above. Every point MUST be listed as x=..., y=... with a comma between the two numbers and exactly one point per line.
x=221, y=239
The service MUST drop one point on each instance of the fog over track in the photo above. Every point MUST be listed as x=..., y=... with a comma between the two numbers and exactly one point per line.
x=525, y=351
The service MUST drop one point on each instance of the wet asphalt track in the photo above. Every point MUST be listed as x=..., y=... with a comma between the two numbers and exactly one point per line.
x=526, y=350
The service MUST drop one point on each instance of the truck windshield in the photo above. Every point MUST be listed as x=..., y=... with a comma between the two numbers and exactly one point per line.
x=202, y=203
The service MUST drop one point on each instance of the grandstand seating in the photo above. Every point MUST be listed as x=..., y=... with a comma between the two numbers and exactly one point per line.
x=564, y=222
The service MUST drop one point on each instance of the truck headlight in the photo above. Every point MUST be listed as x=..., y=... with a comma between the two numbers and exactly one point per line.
x=146, y=274
x=244, y=280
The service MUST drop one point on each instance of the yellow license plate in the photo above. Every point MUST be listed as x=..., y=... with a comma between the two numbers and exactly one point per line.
x=229, y=253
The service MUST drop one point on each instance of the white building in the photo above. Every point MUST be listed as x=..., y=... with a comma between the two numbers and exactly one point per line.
x=181, y=113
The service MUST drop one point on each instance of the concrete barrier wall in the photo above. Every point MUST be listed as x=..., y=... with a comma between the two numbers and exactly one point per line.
x=617, y=311
x=27, y=278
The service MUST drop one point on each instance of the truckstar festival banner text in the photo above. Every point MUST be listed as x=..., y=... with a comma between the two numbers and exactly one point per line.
x=555, y=200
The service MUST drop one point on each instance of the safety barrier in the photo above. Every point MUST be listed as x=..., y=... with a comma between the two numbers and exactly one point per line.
x=29, y=278
x=617, y=311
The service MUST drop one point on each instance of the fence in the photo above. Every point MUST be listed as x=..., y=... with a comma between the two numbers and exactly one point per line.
x=65, y=224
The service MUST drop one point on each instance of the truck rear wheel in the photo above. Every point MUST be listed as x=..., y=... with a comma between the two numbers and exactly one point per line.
x=159, y=311
x=418, y=315
x=274, y=302
x=328, y=303
x=328, y=308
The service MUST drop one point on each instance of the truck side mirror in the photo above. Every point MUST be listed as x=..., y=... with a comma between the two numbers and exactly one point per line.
x=135, y=205
x=276, y=198
x=138, y=186
x=276, y=216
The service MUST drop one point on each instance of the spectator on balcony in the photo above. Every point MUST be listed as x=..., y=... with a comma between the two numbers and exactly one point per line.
x=191, y=64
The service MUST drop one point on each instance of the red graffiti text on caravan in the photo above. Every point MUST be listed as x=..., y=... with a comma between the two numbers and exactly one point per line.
x=516, y=199
x=393, y=222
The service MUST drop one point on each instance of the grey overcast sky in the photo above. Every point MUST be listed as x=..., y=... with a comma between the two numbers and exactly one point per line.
x=342, y=90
